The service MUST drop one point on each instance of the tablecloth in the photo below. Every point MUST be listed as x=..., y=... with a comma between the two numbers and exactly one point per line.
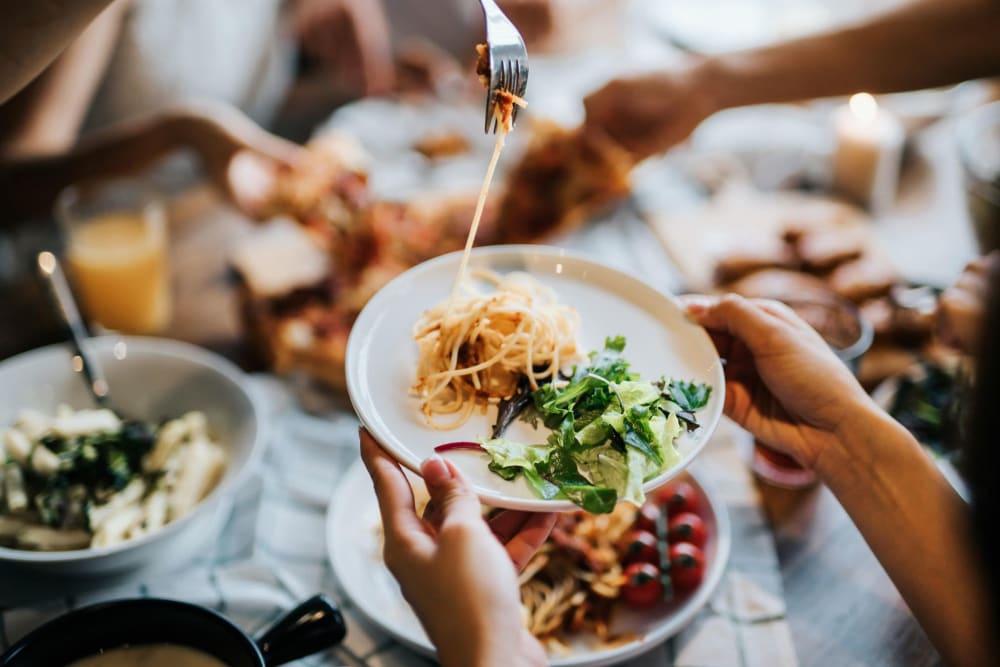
x=271, y=552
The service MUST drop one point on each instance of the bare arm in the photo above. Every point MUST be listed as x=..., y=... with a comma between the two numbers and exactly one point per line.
x=47, y=115
x=32, y=183
x=33, y=33
x=915, y=523
x=922, y=44
x=216, y=132
x=920, y=531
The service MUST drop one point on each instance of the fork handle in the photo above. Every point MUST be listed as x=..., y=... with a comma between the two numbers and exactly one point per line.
x=491, y=10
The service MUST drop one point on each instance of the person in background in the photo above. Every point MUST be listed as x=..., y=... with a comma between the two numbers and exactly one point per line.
x=147, y=78
x=959, y=316
x=920, y=44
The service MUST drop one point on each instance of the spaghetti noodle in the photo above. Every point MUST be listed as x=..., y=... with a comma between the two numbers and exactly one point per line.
x=475, y=348
x=571, y=584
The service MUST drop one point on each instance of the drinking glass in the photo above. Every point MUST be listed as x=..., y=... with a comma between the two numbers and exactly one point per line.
x=116, y=250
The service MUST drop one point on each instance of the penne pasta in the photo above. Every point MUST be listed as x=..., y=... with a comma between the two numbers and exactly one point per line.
x=85, y=478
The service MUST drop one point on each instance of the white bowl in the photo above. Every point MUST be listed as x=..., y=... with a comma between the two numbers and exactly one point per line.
x=149, y=378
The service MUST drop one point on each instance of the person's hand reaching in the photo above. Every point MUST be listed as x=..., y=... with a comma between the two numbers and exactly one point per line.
x=648, y=114
x=783, y=382
x=456, y=571
x=959, y=316
x=238, y=156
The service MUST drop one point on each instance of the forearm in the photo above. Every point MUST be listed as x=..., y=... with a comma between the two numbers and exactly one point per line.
x=918, y=528
x=33, y=33
x=30, y=185
x=47, y=116
x=923, y=44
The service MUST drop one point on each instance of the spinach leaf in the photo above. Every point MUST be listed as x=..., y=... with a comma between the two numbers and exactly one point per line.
x=561, y=469
x=594, y=499
x=543, y=487
x=688, y=395
x=507, y=472
x=616, y=343
x=636, y=441
x=509, y=408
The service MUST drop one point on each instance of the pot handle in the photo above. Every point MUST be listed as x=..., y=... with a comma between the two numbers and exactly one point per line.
x=313, y=626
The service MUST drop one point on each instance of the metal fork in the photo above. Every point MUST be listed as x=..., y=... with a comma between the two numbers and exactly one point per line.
x=508, y=59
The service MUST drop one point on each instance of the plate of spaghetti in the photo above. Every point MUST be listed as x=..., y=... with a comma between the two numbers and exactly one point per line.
x=573, y=592
x=553, y=381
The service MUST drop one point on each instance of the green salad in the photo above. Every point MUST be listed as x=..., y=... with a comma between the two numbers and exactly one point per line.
x=610, y=432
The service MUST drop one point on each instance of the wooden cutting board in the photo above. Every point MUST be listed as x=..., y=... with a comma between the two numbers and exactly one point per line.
x=739, y=218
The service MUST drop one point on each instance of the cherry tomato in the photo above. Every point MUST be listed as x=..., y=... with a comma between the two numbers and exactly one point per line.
x=640, y=546
x=687, y=567
x=678, y=497
x=686, y=527
x=648, y=514
x=642, y=585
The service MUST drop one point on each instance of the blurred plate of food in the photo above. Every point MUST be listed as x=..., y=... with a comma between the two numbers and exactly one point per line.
x=930, y=400
x=305, y=278
x=804, y=247
x=579, y=573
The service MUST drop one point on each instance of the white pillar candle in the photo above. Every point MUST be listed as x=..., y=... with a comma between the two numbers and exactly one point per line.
x=868, y=153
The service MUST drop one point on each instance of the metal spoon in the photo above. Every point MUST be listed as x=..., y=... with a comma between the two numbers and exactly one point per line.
x=83, y=362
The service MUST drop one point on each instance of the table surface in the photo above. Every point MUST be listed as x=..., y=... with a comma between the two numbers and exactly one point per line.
x=842, y=608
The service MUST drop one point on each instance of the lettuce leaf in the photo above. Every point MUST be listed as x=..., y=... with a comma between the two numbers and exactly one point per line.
x=610, y=433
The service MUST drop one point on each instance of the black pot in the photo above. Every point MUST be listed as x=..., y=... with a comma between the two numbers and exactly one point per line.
x=313, y=626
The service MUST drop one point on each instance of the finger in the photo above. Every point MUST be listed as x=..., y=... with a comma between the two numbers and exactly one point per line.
x=251, y=181
x=532, y=534
x=732, y=313
x=449, y=491
x=395, y=497
x=432, y=515
x=506, y=523
x=231, y=130
x=781, y=311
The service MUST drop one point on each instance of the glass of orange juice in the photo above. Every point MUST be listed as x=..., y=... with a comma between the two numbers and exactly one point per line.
x=116, y=249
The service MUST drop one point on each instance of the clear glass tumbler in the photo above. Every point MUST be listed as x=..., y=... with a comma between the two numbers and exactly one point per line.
x=116, y=249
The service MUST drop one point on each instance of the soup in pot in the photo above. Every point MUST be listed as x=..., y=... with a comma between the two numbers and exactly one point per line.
x=150, y=655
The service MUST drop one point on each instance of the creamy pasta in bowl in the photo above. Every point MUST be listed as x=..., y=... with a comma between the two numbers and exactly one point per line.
x=87, y=491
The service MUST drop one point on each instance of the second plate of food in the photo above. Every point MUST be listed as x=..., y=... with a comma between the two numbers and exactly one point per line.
x=659, y=425
x=555, y=593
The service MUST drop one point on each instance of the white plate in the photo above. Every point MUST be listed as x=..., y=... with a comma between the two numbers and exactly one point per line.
x=355, y=549
x=382, y=357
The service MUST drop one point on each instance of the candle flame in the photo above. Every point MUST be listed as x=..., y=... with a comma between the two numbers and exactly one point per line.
x=864, y=107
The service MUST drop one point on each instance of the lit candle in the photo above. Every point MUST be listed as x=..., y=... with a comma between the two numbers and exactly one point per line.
x=868, y=153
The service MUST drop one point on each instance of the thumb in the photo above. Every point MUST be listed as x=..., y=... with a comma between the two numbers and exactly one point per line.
x=451, y=495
